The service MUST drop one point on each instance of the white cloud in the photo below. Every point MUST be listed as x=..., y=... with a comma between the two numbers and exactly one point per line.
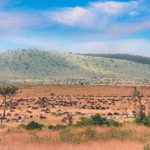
x=101, y=17
x=95, y=15
x=76, y=16
x=110, y=18
x=18, y=22
x=113, y=7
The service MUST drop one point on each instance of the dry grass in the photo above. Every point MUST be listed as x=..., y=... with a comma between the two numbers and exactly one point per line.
x=87, y=138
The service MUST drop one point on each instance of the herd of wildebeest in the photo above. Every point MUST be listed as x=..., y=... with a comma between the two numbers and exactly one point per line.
x=116, y=107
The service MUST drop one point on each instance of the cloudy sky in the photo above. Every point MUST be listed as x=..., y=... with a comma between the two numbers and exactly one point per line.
x=86, y=26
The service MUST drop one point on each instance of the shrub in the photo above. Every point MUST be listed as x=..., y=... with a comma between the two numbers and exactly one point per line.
x=84, y=121
x=97, y=120
x=112, y=123
x=140, y=119
x=34, y=125
x=146, y=121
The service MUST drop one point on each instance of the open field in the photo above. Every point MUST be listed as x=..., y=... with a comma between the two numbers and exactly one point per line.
x=50, y=104
x=100, y=90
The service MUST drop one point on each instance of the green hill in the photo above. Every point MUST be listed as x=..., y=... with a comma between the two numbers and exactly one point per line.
x=49, y=67
x=134, y=58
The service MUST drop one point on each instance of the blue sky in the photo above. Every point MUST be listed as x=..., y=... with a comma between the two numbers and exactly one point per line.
x=86, y=26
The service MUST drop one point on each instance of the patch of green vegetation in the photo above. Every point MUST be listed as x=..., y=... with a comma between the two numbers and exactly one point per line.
x=34, y=125
x=84, y=121
x=97, y=120
x=145, y=120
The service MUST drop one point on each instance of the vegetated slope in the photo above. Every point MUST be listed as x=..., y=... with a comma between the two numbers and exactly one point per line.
x=35, y=66
x=134, y=58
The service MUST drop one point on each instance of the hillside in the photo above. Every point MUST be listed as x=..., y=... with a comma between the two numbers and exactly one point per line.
x=134, y=58
x=49, y=67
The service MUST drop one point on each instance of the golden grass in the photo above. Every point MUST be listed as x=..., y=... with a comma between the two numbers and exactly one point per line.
x=131, y=137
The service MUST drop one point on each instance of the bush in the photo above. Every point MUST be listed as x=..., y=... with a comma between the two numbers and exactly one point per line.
x=146, y=121
x=84, y=121
x=34, y=125
x=112, y=123
x=97, y=120
x=140, y=119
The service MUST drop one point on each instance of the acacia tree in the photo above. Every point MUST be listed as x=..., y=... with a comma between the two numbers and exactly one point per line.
x=7, y=93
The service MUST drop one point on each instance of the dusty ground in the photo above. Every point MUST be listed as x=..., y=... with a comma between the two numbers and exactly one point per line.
x=101, y=90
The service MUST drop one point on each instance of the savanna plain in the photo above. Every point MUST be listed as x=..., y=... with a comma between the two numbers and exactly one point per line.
x=74, y=117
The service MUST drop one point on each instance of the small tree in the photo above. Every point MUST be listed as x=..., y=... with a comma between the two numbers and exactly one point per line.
x=7, y=93
x=137, y=97
x=68, y=119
